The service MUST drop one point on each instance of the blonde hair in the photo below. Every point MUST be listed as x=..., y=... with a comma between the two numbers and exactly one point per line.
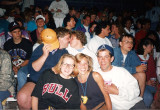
x=57, y=68
x=79, y=58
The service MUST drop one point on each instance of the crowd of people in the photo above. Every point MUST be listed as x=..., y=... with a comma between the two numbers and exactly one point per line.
x=79, y=59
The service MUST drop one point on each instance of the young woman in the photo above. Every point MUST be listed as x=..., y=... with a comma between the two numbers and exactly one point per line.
x=90, y=85
x=59, y=90
x=144, y=53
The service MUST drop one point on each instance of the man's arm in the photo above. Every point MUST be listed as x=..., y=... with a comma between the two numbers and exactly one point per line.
x=37, y=65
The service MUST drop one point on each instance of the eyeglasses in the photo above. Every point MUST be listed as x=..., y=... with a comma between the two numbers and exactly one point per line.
x=68, y=65
x=128, y=42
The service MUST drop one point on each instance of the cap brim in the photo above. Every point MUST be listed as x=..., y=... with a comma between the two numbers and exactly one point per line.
x=54, y=45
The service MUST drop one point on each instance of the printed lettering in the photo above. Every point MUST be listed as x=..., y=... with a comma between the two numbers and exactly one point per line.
x=52, y=88
x=65, y=95
x=58, y=90
x=45, y=88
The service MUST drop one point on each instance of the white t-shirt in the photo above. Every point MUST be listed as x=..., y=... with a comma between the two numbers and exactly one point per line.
x=127, y=85
x=96, y=42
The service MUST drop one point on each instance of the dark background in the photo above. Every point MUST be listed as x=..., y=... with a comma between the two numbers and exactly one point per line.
x=117, y=5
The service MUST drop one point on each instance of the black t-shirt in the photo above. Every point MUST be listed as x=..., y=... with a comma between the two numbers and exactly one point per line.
x=23, y=50
x=53, y=90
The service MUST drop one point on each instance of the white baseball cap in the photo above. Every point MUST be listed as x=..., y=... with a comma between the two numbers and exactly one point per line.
x=40, y=17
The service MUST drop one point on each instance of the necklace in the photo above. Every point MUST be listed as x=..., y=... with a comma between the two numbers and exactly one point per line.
x=84, y=90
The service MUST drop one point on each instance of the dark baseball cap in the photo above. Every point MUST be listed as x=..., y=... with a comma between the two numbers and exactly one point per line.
x=13, y=25
x=109, y=48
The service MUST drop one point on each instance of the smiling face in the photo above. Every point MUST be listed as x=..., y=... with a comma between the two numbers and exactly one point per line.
x=82, y=66
x=148, y=48
x=105, y=60
x=67, y=67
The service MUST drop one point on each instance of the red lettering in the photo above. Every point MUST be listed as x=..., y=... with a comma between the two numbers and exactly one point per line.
x=65, y=95
x=52, y=88
x=58, y=90
x=45, y=88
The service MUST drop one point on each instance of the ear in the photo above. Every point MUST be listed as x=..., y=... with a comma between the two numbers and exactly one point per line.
x=144, y=46
x=120, y=43
x=112, y=59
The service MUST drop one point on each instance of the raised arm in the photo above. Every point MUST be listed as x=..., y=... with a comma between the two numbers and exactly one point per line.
x=99, y=80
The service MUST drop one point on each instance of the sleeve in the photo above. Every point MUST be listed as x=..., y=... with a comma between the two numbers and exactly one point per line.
x=37, y=92
x=134, y=61
x=130, y=88
x=52, y=6
x=6, y=75
x=91, y=46
x=65, y=9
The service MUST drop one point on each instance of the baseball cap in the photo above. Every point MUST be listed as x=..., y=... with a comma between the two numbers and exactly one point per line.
x=40, y=17
x=13, y=25
x=109, y=48
x=49, y=36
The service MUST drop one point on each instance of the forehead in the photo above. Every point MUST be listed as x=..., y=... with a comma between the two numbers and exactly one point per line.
x=71, y=19
x=127, y=38
x=40, y=20
x=68, y=60
x=103, y=52
x=66, y=36
x=16, y=30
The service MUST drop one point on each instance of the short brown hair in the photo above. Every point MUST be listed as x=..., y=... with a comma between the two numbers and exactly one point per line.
x=61, y=32
x=79, y=57
x=80, y=36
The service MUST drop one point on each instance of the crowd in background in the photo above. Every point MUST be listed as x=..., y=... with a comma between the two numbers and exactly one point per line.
x=84, y=30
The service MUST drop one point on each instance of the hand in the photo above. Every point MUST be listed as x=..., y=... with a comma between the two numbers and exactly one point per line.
x=151, y=83
x=141, y=68
x=15, y=69
x=111, y=89
x=52, y=10
x=45, y=49
x=59, y=10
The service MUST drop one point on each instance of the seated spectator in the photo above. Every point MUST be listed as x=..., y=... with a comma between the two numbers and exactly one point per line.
x=6, y=79
x=116, y=32
x=119, y=83
x=31, y=25
x=144, y=50
x=146, y=24
x=20, y=50
x=49, y=21
x=23, y=31
x=40, y=22
x=127, y=26
x=69, y=22
x=102, y=30
x=125, y=57
x=44, y=57
x=62, y=80
x=77, y=45
x=87, y=80
x=84, y=27
x=92, y=28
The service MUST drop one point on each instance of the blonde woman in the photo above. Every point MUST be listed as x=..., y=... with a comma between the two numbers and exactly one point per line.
x=91, y=85
x=59, y=90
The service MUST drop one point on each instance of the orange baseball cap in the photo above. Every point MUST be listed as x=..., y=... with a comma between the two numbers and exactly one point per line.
x=49, y=36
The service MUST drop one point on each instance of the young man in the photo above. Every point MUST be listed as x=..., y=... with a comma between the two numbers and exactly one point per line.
x=44, y=57
x=19, y=48
x=119, y=83
x=102, y=30
x=127, y=58
x=77, y=45
x=35, y=35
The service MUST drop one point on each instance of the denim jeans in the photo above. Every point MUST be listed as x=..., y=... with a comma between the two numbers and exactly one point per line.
x=3, y=95
x=22, y=77
x=148, y=95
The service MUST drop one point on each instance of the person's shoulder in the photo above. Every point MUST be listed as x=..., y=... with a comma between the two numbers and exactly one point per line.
x=64, y=50
x=27, y=41
x=121, y=70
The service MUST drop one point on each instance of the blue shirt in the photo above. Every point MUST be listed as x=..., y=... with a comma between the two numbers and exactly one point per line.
x=131, y=61
x=50, y=62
